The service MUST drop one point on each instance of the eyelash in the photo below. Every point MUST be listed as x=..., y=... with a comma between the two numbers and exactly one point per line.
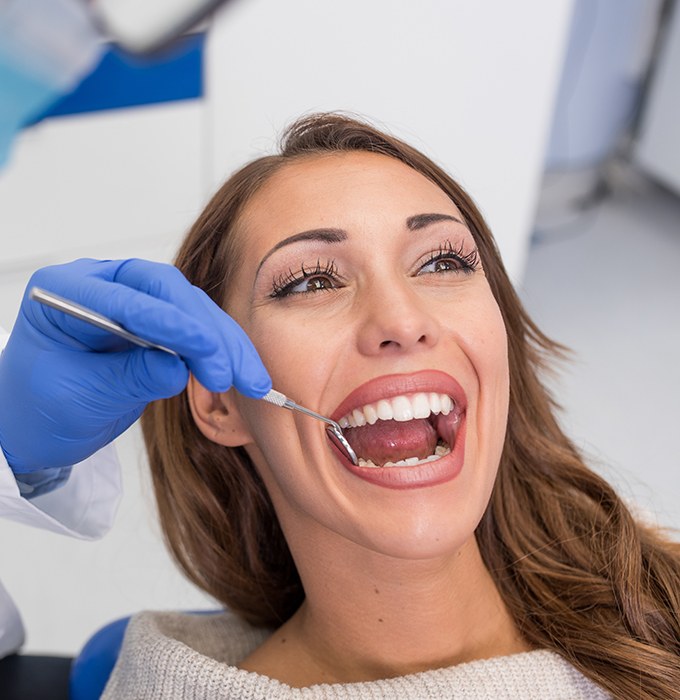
x=283, y=285
x=469, y=262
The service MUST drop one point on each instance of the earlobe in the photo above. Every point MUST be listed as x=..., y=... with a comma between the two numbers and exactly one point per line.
x=217, y=415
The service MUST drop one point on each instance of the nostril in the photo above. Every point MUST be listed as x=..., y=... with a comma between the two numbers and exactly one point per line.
x=386, y=343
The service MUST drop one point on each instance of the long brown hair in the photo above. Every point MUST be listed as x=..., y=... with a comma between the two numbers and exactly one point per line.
x=579, y=575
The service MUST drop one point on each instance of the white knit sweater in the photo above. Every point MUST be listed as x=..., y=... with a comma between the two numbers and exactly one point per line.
x=168, y=656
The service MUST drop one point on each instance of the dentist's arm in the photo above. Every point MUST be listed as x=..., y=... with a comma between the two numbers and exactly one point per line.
x=67, y=388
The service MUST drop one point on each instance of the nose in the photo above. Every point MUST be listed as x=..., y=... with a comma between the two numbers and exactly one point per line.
x=396, y=319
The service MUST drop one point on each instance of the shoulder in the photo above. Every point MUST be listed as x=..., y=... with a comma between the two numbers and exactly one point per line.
x=535, y=674
x=217, y=635
x=178, y=655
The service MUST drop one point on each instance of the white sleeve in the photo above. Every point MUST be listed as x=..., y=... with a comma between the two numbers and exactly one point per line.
x=12, y=633
x=84, y=507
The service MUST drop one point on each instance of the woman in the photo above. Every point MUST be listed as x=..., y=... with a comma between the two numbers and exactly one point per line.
x=472, y=553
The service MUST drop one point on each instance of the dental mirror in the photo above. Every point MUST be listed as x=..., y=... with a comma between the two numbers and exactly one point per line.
x=333, y=429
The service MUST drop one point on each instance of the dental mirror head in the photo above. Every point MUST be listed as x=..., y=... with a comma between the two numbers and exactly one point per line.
x=340, y=441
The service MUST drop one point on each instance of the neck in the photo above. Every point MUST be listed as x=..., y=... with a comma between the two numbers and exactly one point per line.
x=367, y=616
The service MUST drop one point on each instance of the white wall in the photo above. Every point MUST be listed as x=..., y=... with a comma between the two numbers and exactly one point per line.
x=472, y=83
x=99, y=184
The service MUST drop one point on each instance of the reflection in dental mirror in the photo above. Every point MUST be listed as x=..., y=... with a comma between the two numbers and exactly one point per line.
x=471, y=528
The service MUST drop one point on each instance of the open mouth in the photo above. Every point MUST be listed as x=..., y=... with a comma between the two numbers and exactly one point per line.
x=403, y=431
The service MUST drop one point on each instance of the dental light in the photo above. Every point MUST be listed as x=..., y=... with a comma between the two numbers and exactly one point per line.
x=144, y=26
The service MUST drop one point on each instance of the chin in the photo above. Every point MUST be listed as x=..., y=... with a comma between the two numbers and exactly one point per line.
x=417, y=531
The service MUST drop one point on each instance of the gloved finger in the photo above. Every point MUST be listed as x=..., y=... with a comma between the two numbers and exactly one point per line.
x=153, y=319
x=159, y=280
x=214, y=346
x=109, y=384
x=236, y=353
x=249, y=374
x=153, y=374
x=126, y=291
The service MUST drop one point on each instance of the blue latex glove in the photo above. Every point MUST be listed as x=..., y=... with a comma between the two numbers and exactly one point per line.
x=68, y=388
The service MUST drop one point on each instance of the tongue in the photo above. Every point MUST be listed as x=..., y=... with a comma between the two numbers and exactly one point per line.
x=391, y=441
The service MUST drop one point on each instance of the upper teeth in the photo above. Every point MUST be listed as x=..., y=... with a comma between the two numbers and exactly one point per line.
x=399, y=408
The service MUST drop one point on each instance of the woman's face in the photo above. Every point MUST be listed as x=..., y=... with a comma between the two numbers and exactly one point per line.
x=363, y=292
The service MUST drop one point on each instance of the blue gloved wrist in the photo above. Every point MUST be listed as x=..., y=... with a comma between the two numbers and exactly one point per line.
x=38, y=483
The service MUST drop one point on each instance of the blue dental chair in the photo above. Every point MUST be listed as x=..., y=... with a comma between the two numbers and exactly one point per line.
x=92, y=667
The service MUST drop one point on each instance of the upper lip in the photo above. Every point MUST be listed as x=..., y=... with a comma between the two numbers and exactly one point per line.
x=390, y=385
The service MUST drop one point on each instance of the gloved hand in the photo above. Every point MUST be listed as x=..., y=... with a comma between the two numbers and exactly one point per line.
x=68, y=388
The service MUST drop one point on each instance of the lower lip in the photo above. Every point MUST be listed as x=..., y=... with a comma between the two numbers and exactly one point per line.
x=419, y=475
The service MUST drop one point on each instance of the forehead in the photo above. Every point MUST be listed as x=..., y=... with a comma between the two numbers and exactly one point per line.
x=343, y=190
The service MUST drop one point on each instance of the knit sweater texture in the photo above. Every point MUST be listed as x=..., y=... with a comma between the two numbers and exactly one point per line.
x=168, y=656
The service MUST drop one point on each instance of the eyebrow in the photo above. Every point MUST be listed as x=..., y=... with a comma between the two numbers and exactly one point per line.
x=421, y=220
x=337, y=235
x=325, y=235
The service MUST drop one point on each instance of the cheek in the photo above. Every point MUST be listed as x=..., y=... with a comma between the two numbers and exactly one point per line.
x=293, y=357
x=300, y=349
x=479, y=328
x=486, y=346
x=494, y=390
x=493, y=356
x=490, y=339
x=280, y=345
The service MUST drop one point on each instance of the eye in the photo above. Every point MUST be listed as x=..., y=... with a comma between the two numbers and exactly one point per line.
x=441, y=265
x=449, y=259
x=306, y=281
x=312, y=284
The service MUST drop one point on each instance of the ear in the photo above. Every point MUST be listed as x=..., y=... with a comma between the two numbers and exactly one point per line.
x=217, y=416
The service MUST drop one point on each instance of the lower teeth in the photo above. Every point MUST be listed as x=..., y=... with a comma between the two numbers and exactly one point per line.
x=441, y=450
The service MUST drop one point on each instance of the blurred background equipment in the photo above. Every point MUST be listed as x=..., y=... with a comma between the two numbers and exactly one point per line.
x=602, y=269
x=144, y=26
x=657, y=149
